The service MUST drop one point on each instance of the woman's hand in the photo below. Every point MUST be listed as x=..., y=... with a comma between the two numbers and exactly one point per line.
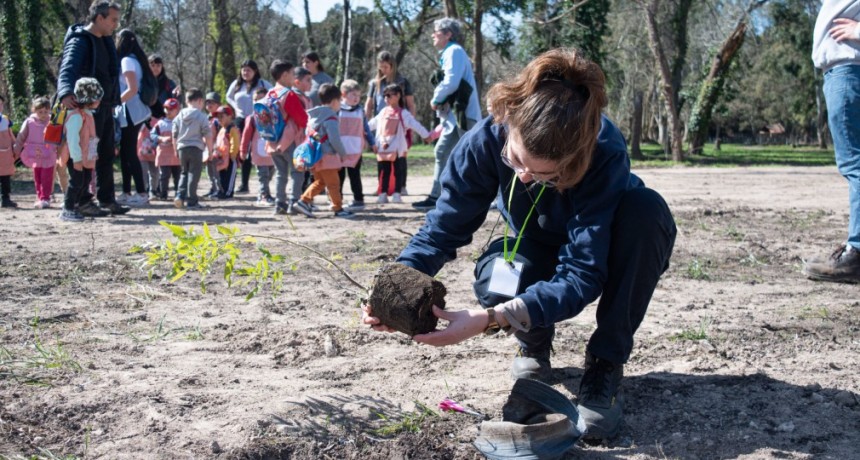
x=373, y=321
x=462, y=325
x=845, y=29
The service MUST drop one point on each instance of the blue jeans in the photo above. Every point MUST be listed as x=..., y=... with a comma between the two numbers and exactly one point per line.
x=842, y=93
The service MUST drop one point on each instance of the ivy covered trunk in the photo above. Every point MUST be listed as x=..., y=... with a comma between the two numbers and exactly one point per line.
x=17, y=106
x=35, y=53
x=403, y=298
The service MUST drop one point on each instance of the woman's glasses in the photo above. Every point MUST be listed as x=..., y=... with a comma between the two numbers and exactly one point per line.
x=541, y=179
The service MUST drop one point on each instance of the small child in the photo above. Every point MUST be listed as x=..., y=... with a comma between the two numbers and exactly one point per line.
x=36, y=153
x=213, y=101
x=323, y=120
x=302, y=85
x=165, y=153
x=80, y=150
x=354, y=132
x=146, y=151
x=295, y=117
x=226, y=151
x=7, y=158
x=254, y=146
x=391, y=124
x=191, y=134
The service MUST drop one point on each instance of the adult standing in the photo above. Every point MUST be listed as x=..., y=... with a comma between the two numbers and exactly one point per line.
x=456, y=68
x=311, y=61
x=579, y=225
x=386, y=74
x=167, y=88
x=836, y=51
x=89, y=51
x=240, y=95
x=132, y=114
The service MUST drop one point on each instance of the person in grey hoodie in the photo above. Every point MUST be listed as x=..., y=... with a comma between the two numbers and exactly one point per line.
x=191, y=133
x=836, y=51
x=322, y=120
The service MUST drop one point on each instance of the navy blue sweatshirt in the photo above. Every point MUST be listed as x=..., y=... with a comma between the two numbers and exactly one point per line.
x=578, y=220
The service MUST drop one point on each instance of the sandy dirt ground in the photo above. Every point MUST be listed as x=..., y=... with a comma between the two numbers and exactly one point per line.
x=739, y=356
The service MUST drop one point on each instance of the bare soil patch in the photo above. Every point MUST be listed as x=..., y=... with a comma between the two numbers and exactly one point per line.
x=739, y=356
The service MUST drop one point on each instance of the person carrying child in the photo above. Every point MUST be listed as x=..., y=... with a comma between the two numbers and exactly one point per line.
x=191, y=134
x=7, y=158
x=166, y=158
x=80, y=150
x=324, y=124
x=37, y=154
x=295, y=118
x=354, y=132
x=226, y=151
x=390, y=126
x=254, y=146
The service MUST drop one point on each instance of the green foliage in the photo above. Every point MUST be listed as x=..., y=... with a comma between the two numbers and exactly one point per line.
x=409, y=422
x=38, y=78
x=13, y=64
x=42, y=365
x=741, y=155
x=695, y=333
x=696, y=270
x=552, y=25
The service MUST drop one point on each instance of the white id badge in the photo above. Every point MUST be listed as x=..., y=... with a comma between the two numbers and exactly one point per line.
x=505, y=279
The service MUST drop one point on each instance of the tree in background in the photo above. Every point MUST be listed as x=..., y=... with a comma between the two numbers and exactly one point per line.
x=13, y=63
x=579, y=23
x=38, y=78
x=225, y=61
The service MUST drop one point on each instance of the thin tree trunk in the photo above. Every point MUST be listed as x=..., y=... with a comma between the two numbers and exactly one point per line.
x=13, y=60
x=666, y=82
x=309, y=28
x=451, y=9
x=226, y=68
x=127, y=13
x=478, y=56
x=343, y=61
x=636, y=127
x=33, y=42
x=712, y=87
x=679, y=28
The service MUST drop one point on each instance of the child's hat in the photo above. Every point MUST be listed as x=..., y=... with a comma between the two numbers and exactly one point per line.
x=171, y=104
x=88, y=90
x=225, y=110
x=213, y=96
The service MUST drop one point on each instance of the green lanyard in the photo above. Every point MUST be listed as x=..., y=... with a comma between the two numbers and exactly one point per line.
x=510, y=258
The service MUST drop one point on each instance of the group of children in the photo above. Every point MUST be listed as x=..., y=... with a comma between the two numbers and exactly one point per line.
x=204, y=132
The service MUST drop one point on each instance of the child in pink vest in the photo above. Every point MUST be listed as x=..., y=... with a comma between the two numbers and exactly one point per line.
x=255, y=146
x=7, y=158
x=391, y=125
x=80, y=150
x=355, y=134
x=36, y=153
x=146, y=150
x=166, y=158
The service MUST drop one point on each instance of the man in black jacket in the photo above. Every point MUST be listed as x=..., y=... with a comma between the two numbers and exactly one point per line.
x=89, y=51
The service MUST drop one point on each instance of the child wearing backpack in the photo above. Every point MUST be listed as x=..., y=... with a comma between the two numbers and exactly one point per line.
x=254, y=146
x=36, y=153
x=281, y=121
x=80, y=150
x=191, y=134
x=226, y=151
x=146, y=151
x=324, y=127
x=7, y=158
x=165, y=153
x=391, y=125
x=354, y=132
x=212, y=102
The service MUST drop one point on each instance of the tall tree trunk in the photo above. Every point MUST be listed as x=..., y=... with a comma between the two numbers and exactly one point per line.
x=127, y=13
x=226, y=70
x=665, y=80
x=309, y=27
x=13, y=60
x=478, y=55
x=33, y=43
x=679, y=29
x=712, y=87
x=343, y=61
x=451, y=9
x=636, y=127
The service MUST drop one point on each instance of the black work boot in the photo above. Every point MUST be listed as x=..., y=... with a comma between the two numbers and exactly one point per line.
x=843, y=265
x=8, y=203
x=599, y=398
x=532, y=365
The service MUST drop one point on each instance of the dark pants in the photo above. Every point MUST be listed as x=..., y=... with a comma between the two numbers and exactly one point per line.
x=389, y=176
x=129, y=162
x=401, y=173
x=166, y=173
x=354, y=181
x=191, y=162
x=228, y=179
x=104, y=163
x=5, y=186
x=79, y=183
x=643, y=234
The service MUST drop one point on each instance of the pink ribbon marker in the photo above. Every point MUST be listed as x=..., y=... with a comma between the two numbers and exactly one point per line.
x=449, y=405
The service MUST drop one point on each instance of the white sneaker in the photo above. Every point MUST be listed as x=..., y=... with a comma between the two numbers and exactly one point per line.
x=137, y=200
x=124, y=198
x=382, y=198
x=396, y=198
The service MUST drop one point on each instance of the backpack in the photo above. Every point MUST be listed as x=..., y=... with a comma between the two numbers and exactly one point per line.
x=309, y=153
x=54, y=130
x=269, y=119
